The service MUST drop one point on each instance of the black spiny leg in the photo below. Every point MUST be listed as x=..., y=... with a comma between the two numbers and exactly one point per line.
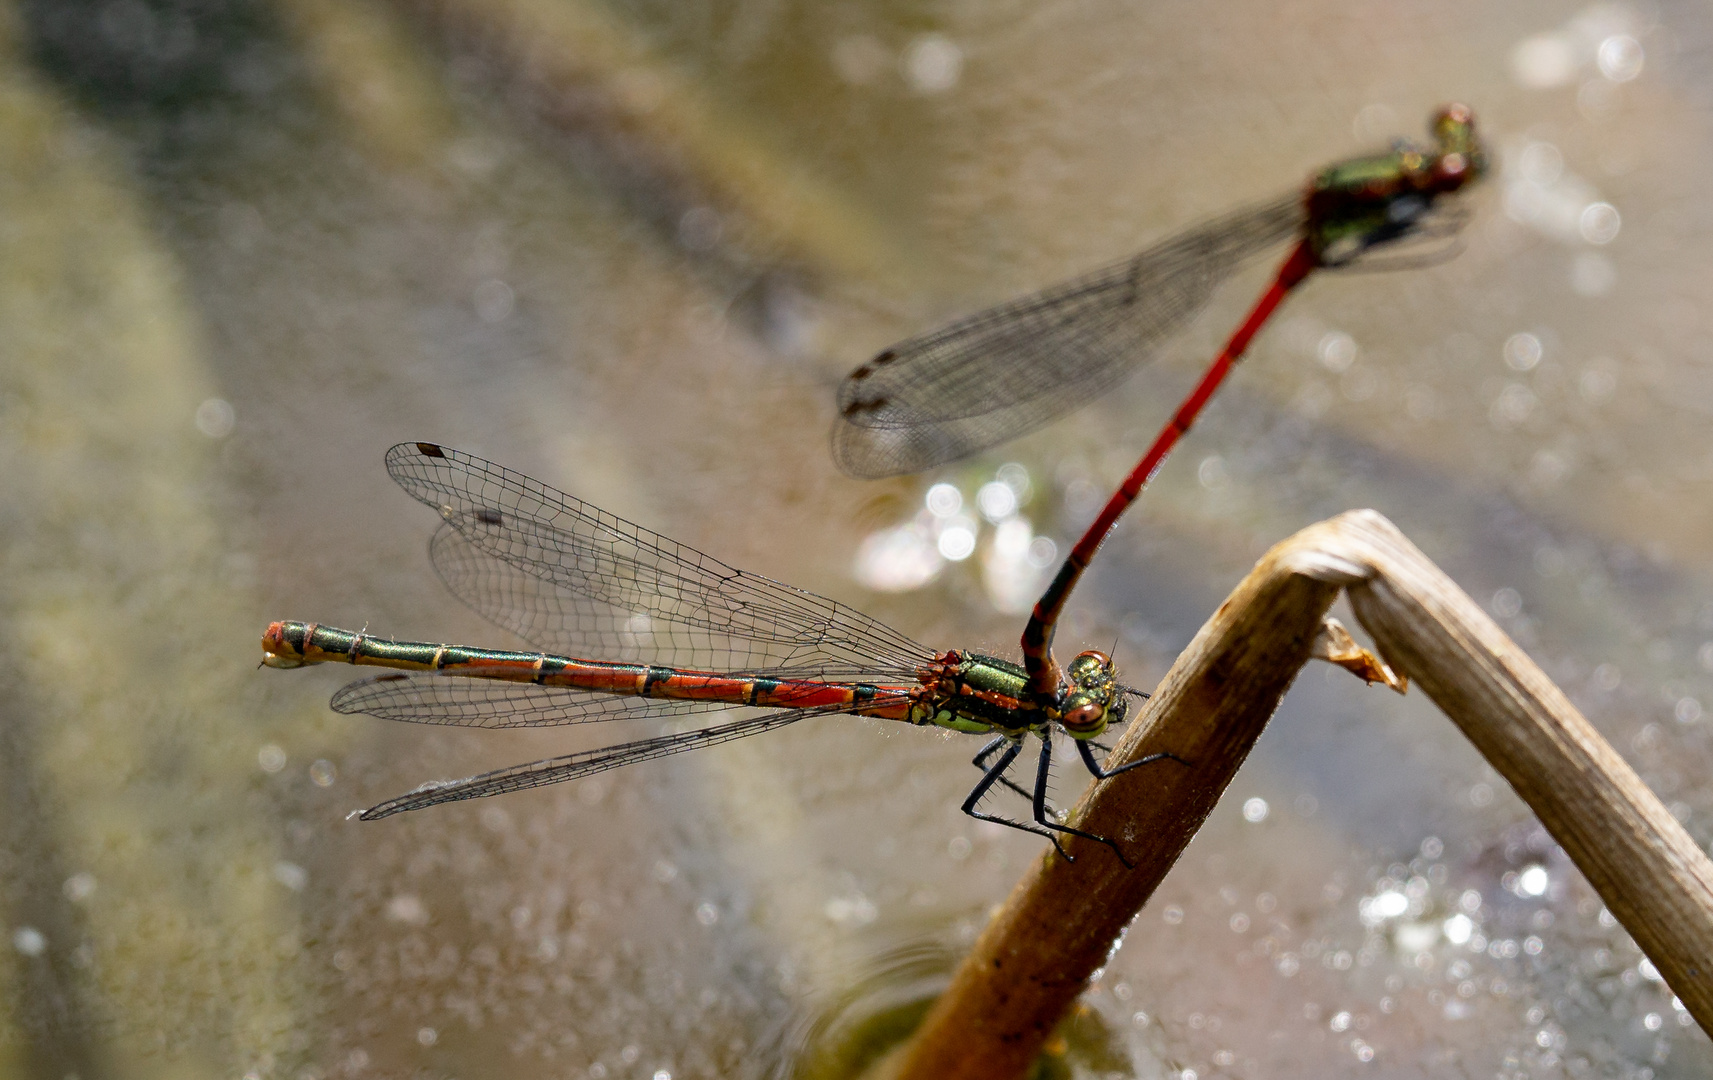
x=1043, y=773
x=993, y=775
x=980, y=762
x=1087, y=751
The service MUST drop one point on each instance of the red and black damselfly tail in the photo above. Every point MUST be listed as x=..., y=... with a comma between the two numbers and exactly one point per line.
x=1038, y=633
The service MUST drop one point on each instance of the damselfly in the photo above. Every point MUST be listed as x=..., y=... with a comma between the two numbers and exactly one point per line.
x=994, y=375
x=572, y=579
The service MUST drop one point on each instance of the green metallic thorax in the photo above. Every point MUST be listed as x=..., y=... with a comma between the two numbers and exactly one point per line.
x=983, y=695
x=1379, y=171
x=1357, y=203
x=1354, y=200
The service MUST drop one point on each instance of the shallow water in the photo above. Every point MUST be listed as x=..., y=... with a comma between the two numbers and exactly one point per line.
x=630, y=249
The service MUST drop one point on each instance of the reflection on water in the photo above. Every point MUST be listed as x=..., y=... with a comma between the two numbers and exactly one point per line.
x=631, y=248
x=858, y=1032
x=870, y=1016
x=1016, y=564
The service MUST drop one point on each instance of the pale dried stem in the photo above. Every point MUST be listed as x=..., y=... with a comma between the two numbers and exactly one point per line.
x=1061, y=920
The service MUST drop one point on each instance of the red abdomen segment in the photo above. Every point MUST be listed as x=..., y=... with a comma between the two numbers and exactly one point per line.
x=294, y=644
x=1044, y=675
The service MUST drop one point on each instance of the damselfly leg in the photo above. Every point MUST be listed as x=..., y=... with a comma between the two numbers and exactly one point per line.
x=1043, y=773
x=985, y=755
x=1045, y=817
x=1087, y=749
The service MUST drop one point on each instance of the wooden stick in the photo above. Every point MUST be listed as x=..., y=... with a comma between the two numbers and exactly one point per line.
x=1653, y=877
x=1062, y=919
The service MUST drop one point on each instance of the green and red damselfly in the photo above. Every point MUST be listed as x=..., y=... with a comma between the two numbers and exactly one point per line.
x=994, y=375
x=570, y=578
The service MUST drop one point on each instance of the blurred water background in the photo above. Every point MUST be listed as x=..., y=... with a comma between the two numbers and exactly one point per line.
x=630, y=247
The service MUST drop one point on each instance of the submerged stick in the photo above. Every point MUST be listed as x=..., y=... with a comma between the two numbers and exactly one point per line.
x=1061, y=921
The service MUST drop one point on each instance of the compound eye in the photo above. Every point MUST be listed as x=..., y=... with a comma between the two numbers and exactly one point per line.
x=1451, y=168
x=1454, y=115
x=1084, y=719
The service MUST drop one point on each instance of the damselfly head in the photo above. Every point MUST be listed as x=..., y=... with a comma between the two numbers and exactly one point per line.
x=1094, y=698
x=1454, y=128
x=1461, y=156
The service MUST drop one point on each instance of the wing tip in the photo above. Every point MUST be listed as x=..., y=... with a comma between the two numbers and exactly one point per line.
x=410, y=800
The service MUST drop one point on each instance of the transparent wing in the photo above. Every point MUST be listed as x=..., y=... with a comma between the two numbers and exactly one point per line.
x=572, y=579
x=1426, y=237
x=574, y=766
x=994, y=375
